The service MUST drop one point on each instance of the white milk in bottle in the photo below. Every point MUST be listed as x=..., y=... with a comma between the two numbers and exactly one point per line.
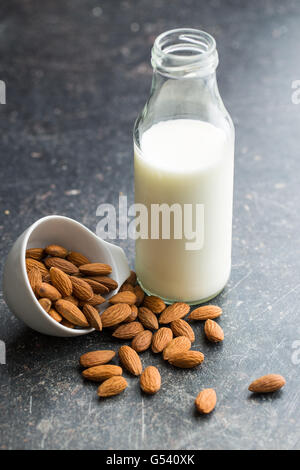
x=183, y=155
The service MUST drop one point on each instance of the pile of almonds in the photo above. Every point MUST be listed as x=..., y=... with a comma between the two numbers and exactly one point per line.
x=70, y=288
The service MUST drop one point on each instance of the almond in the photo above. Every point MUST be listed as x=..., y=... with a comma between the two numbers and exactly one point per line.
x=96, y=300
x=267, y=383
x=125, y=297
x=45, y=304
x=161, y=339
x=178, y=345
x=115, y=314
x=56, y=316
x=126, y=287
x=132, y=278
x=100, y=373
x=174, y=312
x=155, y=304
x=140, y=295
x=150, y=380
x=92, y=316
x=63, y=264
x=187, y=360
x=56, y=250
x=81, y=289
x=35, y=279
x=213, y=331
x=35, y=253
x=148, y=319
x=128, y=330
x=97, y=287
x=95, y=269
x=111, y=387
x=71, y=313
x=30, y=263
x=72, y=299
x=133, y=315
x=182, y=328
x=61, y=281
x=130, y=360
x=108, y=282
x=77, y=258
x=67, y=323
x=46, y=290
x=96, y=358
x=142, y=341
x=208, y=312
x=206, y=400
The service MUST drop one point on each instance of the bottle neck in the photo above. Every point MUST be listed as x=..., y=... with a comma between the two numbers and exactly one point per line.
x=184, y=53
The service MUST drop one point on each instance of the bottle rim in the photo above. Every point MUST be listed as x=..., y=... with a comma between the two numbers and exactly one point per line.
x=179, y=52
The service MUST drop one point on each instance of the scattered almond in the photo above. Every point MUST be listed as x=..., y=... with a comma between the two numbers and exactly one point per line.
x=106, y=281
x=95, y=269
x=56, y=250
x=115, y=314
x=174, y=312
x=45, y=303
x=92, y=316
x=111, y=387
x=46, y=290
x=206, y=400
x=96, y=358
x=150, y=380
x=182, y=328
x=71, y=313
x=140, y=295
x=148, y=319
x=35, y=253
x=186, y=360
x=142, y=341
x=132, y=278
x=213, y=331
x=267, y=383
x=161, y=339
x=77, y=258
x=30, y=263
x=133, y=315
x=97, y=287
x=63, y=264
x=126, y=297
x=56, y=316
x=130, y=360
x=208, y=312
x=100, y=373
x=81, y=289
x=35, y=279
x=96, y=300
x=61, y=281
x=155, y=304
x=128, y=330
x=178, y=345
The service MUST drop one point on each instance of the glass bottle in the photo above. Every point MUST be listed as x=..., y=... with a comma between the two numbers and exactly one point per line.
x=183, y=159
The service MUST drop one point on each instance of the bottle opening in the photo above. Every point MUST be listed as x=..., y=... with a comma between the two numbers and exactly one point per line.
x=183, y=51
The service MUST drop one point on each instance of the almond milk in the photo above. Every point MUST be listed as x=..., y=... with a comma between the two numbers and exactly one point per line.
x=186, y=161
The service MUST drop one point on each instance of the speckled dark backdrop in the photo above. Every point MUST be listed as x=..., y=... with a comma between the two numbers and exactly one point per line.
x=77, y=74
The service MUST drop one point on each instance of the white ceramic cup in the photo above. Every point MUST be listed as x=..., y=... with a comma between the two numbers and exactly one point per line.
x=75, y=237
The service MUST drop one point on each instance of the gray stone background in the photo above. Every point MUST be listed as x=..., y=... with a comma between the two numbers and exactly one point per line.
x=77, y=74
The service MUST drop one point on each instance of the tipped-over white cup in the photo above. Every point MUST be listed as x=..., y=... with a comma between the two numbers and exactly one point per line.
x=59, y=230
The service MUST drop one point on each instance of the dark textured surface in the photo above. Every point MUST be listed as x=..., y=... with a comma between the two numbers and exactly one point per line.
x=77, y=74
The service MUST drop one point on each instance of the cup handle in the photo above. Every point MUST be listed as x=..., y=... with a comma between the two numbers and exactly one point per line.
x=120, y=259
